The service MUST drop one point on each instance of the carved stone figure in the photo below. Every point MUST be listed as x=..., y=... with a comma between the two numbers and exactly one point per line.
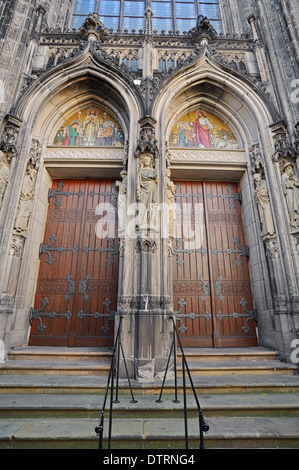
x=290, y=183
x=4, y=175
x=122, y=196
x=25, y=202
x=147, y=193
x=263, y=203
x=171, y=189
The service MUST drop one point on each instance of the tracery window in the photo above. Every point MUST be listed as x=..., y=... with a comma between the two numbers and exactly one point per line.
x=169, y=15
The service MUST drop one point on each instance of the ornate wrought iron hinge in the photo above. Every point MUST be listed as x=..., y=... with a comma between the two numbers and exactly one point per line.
x=113, y=196
x=58, y=192
x=45, y=249
x=242, y=251
x=110, y=315
x=114, y=250
x=182, y=303
x=175, y=250
x=198, y=196
x=250, y=315
x=234, y=196
x=37, y=313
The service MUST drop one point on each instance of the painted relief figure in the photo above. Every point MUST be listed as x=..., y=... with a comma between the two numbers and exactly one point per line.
x=185, y=136
x=199, y=129
x=71, y=133
x=91, y=127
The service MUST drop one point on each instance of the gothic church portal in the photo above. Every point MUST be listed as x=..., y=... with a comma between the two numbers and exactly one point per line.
x=148, y=170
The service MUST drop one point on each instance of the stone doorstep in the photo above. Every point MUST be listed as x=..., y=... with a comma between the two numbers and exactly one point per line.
x=47, y=405
x=52, y=367
x=91, y=384
x=253, y=431
x=50, y=353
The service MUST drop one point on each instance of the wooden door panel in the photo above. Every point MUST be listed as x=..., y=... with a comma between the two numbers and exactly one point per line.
x=213, y=282
x=191, y=291
x=232, y=299
x=98, y=268
x=78, y=269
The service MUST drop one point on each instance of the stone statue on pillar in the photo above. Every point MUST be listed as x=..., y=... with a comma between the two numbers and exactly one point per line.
x=4, y=175
x=290, y=184
x=147, y=186
x=25, y=201
x=122, y=203
x=264, y=208
x=171, y=189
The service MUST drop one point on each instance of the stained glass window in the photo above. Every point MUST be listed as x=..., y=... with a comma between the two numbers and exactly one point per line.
x=174, y=15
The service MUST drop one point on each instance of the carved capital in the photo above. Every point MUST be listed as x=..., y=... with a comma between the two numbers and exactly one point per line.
x=93, y=29
x=9, y=138
x=34, y=155
x=256, y=158
x=17, y=246
x=203, y=30
x=272, y=248
x=282, y=145
x=147, y=142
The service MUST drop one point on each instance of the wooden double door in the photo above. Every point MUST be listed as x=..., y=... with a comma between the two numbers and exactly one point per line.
x=76, y=290
x=211, y=284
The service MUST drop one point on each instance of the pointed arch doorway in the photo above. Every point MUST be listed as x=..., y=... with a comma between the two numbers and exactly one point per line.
x=77, y=285
x=211, y=282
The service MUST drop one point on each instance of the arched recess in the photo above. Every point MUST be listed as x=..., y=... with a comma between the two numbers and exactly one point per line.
x=242, y=106
x=59, y=93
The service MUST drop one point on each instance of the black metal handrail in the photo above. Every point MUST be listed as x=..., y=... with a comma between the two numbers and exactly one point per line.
x=114, y=368
x=114, y=373
x=203, y=425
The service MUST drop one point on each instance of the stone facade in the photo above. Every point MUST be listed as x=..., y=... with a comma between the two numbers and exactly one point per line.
x=248, y=77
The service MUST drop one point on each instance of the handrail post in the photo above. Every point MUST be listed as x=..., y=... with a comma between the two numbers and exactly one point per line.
x=185, y=405
x=175, y=369
x=203, y=426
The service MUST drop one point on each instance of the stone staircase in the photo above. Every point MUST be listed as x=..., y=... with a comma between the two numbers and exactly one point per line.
x=52, y=397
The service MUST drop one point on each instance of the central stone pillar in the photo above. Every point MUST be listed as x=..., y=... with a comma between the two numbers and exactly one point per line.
x=143, y=301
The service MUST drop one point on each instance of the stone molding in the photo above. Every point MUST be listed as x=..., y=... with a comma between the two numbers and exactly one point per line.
x=84, y=153
x=216, y=156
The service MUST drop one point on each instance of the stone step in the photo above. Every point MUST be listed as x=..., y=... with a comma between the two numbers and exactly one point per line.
x=99, y=367
x=54, y=367
x=227, y=354
x=94, y=384
x=90, y=406
x=49, y=353
x=91, y=354
x=225, y=432
x=227, y=367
